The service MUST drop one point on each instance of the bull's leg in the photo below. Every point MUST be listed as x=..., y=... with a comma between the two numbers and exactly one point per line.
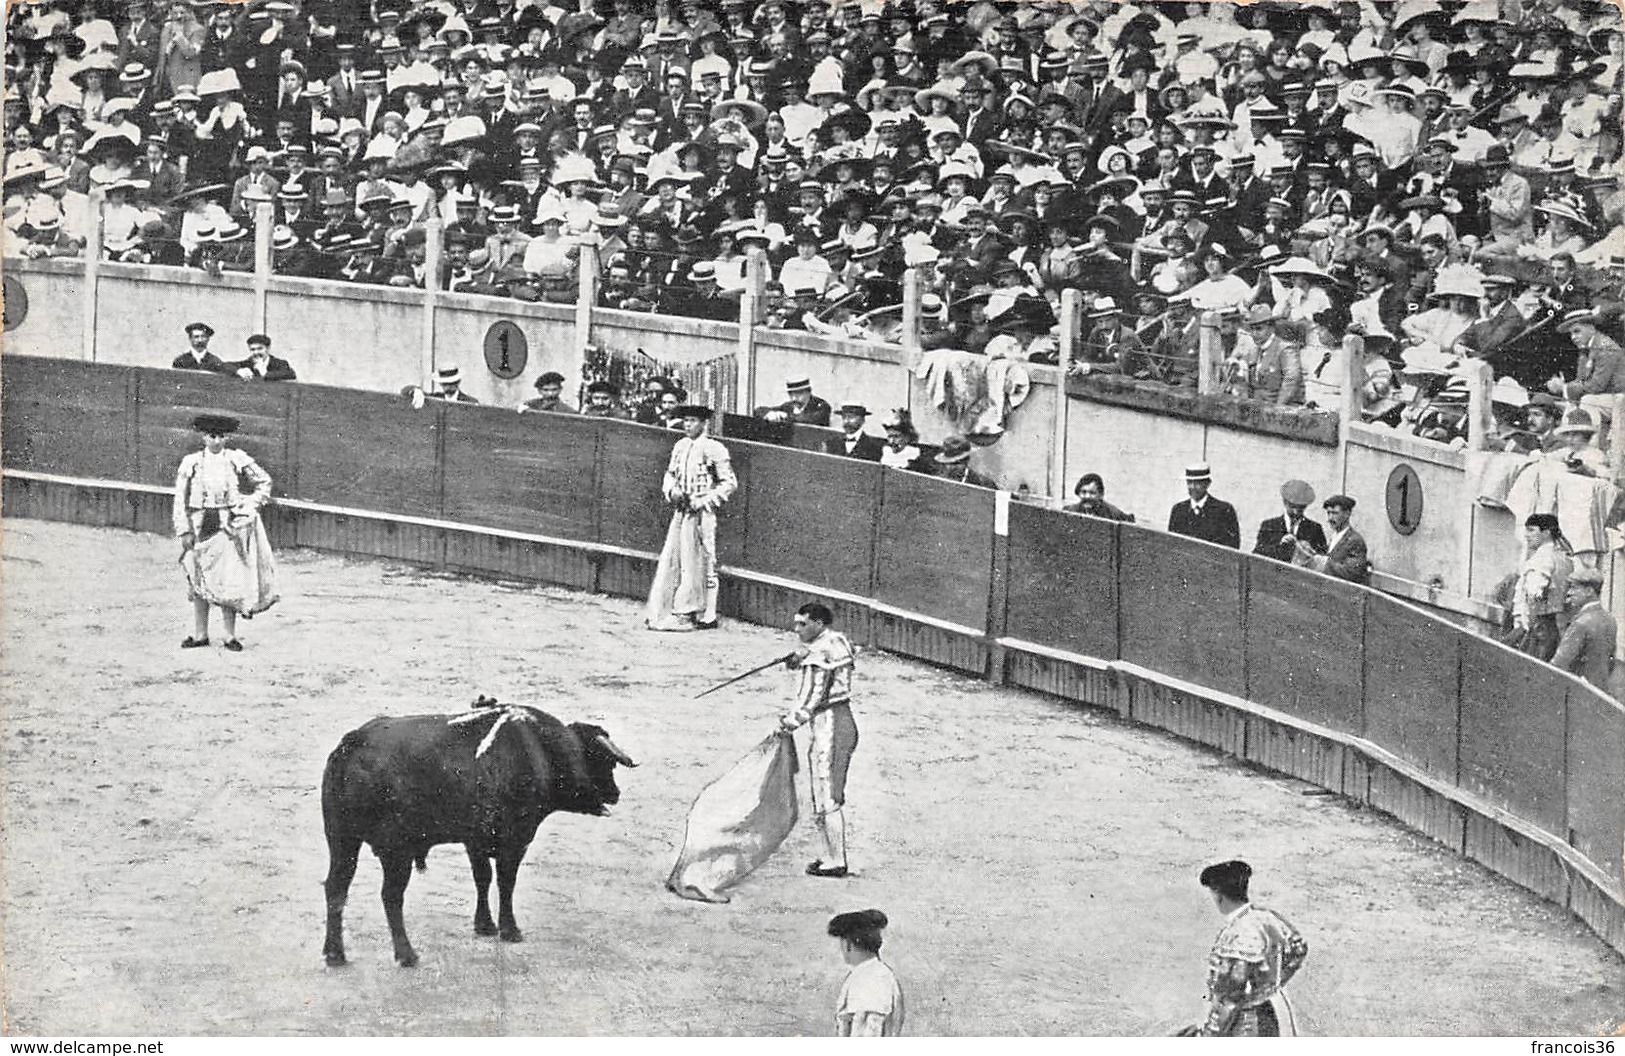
x=341, y=858
x=508, y=872
x=481, y=864
x=397, y=874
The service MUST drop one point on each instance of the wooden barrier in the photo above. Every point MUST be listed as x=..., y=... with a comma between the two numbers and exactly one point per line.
x=1503, y=759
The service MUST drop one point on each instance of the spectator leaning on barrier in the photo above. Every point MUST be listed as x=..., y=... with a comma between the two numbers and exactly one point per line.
x=260, y=365
x=902, y=445
x=603, y=401
x=1587, y=646
x=802, y=408
x=853, y=441
x=1279, y=538
x=549, y=395
x=1091, y=493
x=198, y=356
x=1345, y=554
x=1541, y=587
x=1202, y=516
x=450, y=381
x=953, y=463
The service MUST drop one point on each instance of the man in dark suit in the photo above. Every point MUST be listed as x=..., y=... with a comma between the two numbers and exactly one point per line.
x=198, y=356
x=1202, y=516
x=1346, y=556
x=1587, y=647
x=260, y=364
x=855, y=443
x=802, y=407
x=1279, y=538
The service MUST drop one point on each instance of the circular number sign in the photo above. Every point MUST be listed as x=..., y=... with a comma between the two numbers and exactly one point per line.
x=1404, y=499
x=505, y=350
x=16, y=303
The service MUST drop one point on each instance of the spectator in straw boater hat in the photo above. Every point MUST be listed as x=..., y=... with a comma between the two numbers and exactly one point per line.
x=802, y=407
x=1202, y=516
x=450, y=386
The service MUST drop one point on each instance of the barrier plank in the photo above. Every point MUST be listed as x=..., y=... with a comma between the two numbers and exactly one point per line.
x=1063, y=581
x=63, y=416
x=1513, y=742
x=1596, y=778
x=936, y=547
x=168, y=400
x=733, y=526
x=811, y=517
x=1181, y=607
x=367, y=451
x=526, y=472
x=1411, y=691
x=631, y=461
x=1305, y=644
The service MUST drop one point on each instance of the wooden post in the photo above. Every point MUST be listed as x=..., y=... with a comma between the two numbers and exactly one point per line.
x=93, y=270
x=1071, y=332
x=264, y=222
x=1480, y=415
x=433, y=237
x=1616, y=441
x=751, y=308
x=1348, y=412
x=586, y=302
x=911, y=317
x=1207, y=354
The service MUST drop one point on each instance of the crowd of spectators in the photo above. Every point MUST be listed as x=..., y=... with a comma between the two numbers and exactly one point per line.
x=1420, y=186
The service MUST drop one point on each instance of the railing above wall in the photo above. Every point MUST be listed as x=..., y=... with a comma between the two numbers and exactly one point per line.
x=1504, y=759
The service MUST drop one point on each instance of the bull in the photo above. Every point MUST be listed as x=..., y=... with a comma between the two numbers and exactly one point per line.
x=485, y=780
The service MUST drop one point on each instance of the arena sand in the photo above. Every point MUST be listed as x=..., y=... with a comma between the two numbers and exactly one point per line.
x=164, y=854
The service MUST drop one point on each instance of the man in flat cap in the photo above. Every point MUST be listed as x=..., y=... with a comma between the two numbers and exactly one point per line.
x=853, y=441
x=871, y=1001
x=1279, y=538
x=1202, y=516
x=603, y=401
x=1255, y=954
x=1344, y=555
x=549, y=395
x=197, y=356
x=1587, y=646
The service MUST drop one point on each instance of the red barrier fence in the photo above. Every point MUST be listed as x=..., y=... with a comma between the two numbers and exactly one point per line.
x=1508, y=760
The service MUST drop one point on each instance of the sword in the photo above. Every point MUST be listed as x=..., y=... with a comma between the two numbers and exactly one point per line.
x=775, y=662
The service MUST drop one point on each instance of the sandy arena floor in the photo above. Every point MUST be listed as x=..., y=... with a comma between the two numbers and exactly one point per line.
x=164, y=855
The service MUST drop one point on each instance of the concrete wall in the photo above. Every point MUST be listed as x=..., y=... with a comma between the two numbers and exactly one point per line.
x=460, y=326
x=667, y=338
x=55, y=320
x=1438, y=546
x=142, y=311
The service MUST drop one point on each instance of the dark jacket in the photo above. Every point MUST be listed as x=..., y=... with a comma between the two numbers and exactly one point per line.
x=1270, y=532
x=1105, y=510
x=1348, y=559
x=209, y=362
x=961, y=473
x=1217, y=523
x=275, y=369
x=868, y=448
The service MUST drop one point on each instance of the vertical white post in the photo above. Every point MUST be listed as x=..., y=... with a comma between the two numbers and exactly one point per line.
x=586, y=301
x=1071, y=333
x=911, y=317
x=1616, y=440
x=751, y=307
x=1480, y=417
x=433, y=237
x=1207, y=354
x=1348, y=411
x=93, y=270
x=264, y=221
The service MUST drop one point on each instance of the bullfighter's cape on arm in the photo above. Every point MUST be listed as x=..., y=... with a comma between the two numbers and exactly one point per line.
x=738, y=821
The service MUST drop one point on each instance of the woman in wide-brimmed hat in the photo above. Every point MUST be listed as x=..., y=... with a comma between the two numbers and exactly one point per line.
x=1564, y=232
x=1306, y=298
x=1457, y=291
x=225, y=552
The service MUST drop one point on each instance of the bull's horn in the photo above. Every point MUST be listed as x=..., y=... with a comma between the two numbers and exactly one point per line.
x=618, y=755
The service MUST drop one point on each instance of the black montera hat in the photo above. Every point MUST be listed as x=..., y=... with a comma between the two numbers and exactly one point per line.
x=216, y=424
x=844, y=925
x=1228, y=878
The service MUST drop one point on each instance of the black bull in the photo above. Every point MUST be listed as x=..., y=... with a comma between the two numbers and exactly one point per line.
x=403, y=785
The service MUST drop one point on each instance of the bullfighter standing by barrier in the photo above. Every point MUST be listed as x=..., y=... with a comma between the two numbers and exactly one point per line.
x=699, y=479
x=824, y=699
x=224, y=548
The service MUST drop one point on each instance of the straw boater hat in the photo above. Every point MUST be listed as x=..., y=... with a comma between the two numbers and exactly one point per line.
x=449, y=376
x=1199, y=471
